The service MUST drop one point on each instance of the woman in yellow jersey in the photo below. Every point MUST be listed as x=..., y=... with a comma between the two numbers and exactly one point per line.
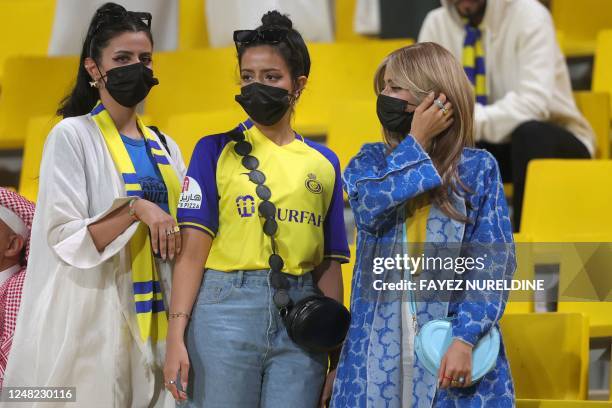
x=256, y=190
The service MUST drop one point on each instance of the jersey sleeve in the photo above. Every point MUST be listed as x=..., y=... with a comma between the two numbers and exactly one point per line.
x=336, y=245
x=199, y=203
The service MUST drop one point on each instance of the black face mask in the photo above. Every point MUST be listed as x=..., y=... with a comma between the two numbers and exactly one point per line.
x=392, y=114
x=263, y=103
x=130, y=84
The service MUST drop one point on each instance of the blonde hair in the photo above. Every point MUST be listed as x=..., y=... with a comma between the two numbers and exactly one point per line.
x=422, y=68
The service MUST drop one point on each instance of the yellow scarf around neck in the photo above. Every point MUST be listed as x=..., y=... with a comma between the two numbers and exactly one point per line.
x=148, y=297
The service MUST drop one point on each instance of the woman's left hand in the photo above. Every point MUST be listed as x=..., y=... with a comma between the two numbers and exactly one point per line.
x=327, y=388
x=455, y=365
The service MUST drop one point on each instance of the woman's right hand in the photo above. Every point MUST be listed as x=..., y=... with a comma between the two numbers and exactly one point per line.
x=159, y=223
x=176, y=359
x=429, y=120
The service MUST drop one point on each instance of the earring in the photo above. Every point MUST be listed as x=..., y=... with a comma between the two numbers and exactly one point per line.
x=294, y=98
x=93, y=84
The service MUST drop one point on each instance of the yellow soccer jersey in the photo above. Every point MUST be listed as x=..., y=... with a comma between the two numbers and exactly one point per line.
x=304, y=178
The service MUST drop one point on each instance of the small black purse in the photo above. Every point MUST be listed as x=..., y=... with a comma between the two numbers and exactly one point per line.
x=316, y=323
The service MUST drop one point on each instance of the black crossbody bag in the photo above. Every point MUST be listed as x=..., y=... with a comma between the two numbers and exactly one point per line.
x=316, y=323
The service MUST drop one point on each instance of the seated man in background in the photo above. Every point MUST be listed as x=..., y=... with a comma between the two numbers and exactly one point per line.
x=16, y=214
x=525, y=108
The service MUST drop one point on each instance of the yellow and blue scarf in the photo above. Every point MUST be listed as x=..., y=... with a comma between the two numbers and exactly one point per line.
x=148, y=297
x=474, y=62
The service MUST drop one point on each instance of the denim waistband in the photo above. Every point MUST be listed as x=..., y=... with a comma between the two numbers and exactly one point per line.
x=240, y=277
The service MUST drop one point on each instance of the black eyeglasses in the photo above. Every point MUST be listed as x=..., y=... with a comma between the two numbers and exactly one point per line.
x=267, y=36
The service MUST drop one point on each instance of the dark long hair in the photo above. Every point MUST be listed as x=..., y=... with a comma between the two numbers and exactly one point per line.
x=293, y=48
x=109, y=21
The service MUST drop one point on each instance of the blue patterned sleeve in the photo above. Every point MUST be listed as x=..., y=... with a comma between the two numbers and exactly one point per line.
x=377, y=183
x=489, y=235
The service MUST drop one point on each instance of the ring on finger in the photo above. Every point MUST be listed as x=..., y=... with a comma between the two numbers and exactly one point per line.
x=169, y=232
x=444, y=110
x=439, y=103
x=171, y=382
x=176, y=229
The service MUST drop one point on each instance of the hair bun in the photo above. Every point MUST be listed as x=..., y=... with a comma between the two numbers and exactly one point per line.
x=109, y=8
x=275, y=19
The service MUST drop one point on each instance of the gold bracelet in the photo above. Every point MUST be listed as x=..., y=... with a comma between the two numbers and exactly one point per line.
x=178, y=314
x=132, y=211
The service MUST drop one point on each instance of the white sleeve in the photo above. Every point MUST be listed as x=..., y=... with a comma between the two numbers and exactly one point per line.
x=64, y=201
x=531, y=99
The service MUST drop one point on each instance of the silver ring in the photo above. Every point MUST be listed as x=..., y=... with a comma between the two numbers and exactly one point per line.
x=439, y=104
x=171, y=382
x=461, y=380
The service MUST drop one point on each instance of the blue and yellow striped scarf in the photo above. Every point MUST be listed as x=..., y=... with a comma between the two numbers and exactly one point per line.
x=474, y=62
x=148, y=297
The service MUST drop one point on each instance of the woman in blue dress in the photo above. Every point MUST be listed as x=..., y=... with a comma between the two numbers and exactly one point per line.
x=424, y=184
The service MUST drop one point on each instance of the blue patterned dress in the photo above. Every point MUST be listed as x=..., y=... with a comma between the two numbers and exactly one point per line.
x=379, y=184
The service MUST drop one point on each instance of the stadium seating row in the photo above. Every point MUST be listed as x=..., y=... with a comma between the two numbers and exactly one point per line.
x=579, y=23
x=206, y=80
x=191, y=82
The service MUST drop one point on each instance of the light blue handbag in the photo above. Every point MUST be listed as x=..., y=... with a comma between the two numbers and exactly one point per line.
x=434, y=338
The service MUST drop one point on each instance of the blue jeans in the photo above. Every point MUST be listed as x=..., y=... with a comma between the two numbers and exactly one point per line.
x=240, y=353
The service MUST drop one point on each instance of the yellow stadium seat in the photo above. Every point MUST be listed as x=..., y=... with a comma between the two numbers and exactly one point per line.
x=602, y=69
x=580, y=22
x=595, y=106
x=25, y=29
x=352, y=124
x=187, y=129
x=37, y=131
x=345, y=15
x=192, y=25
x=580, y=281
x=522, y=302
x=534, y=403
x=32, y=86
x=340, y=71
x=548, y=369
x=564, y=198
x=561, y=41
x=193, y=81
